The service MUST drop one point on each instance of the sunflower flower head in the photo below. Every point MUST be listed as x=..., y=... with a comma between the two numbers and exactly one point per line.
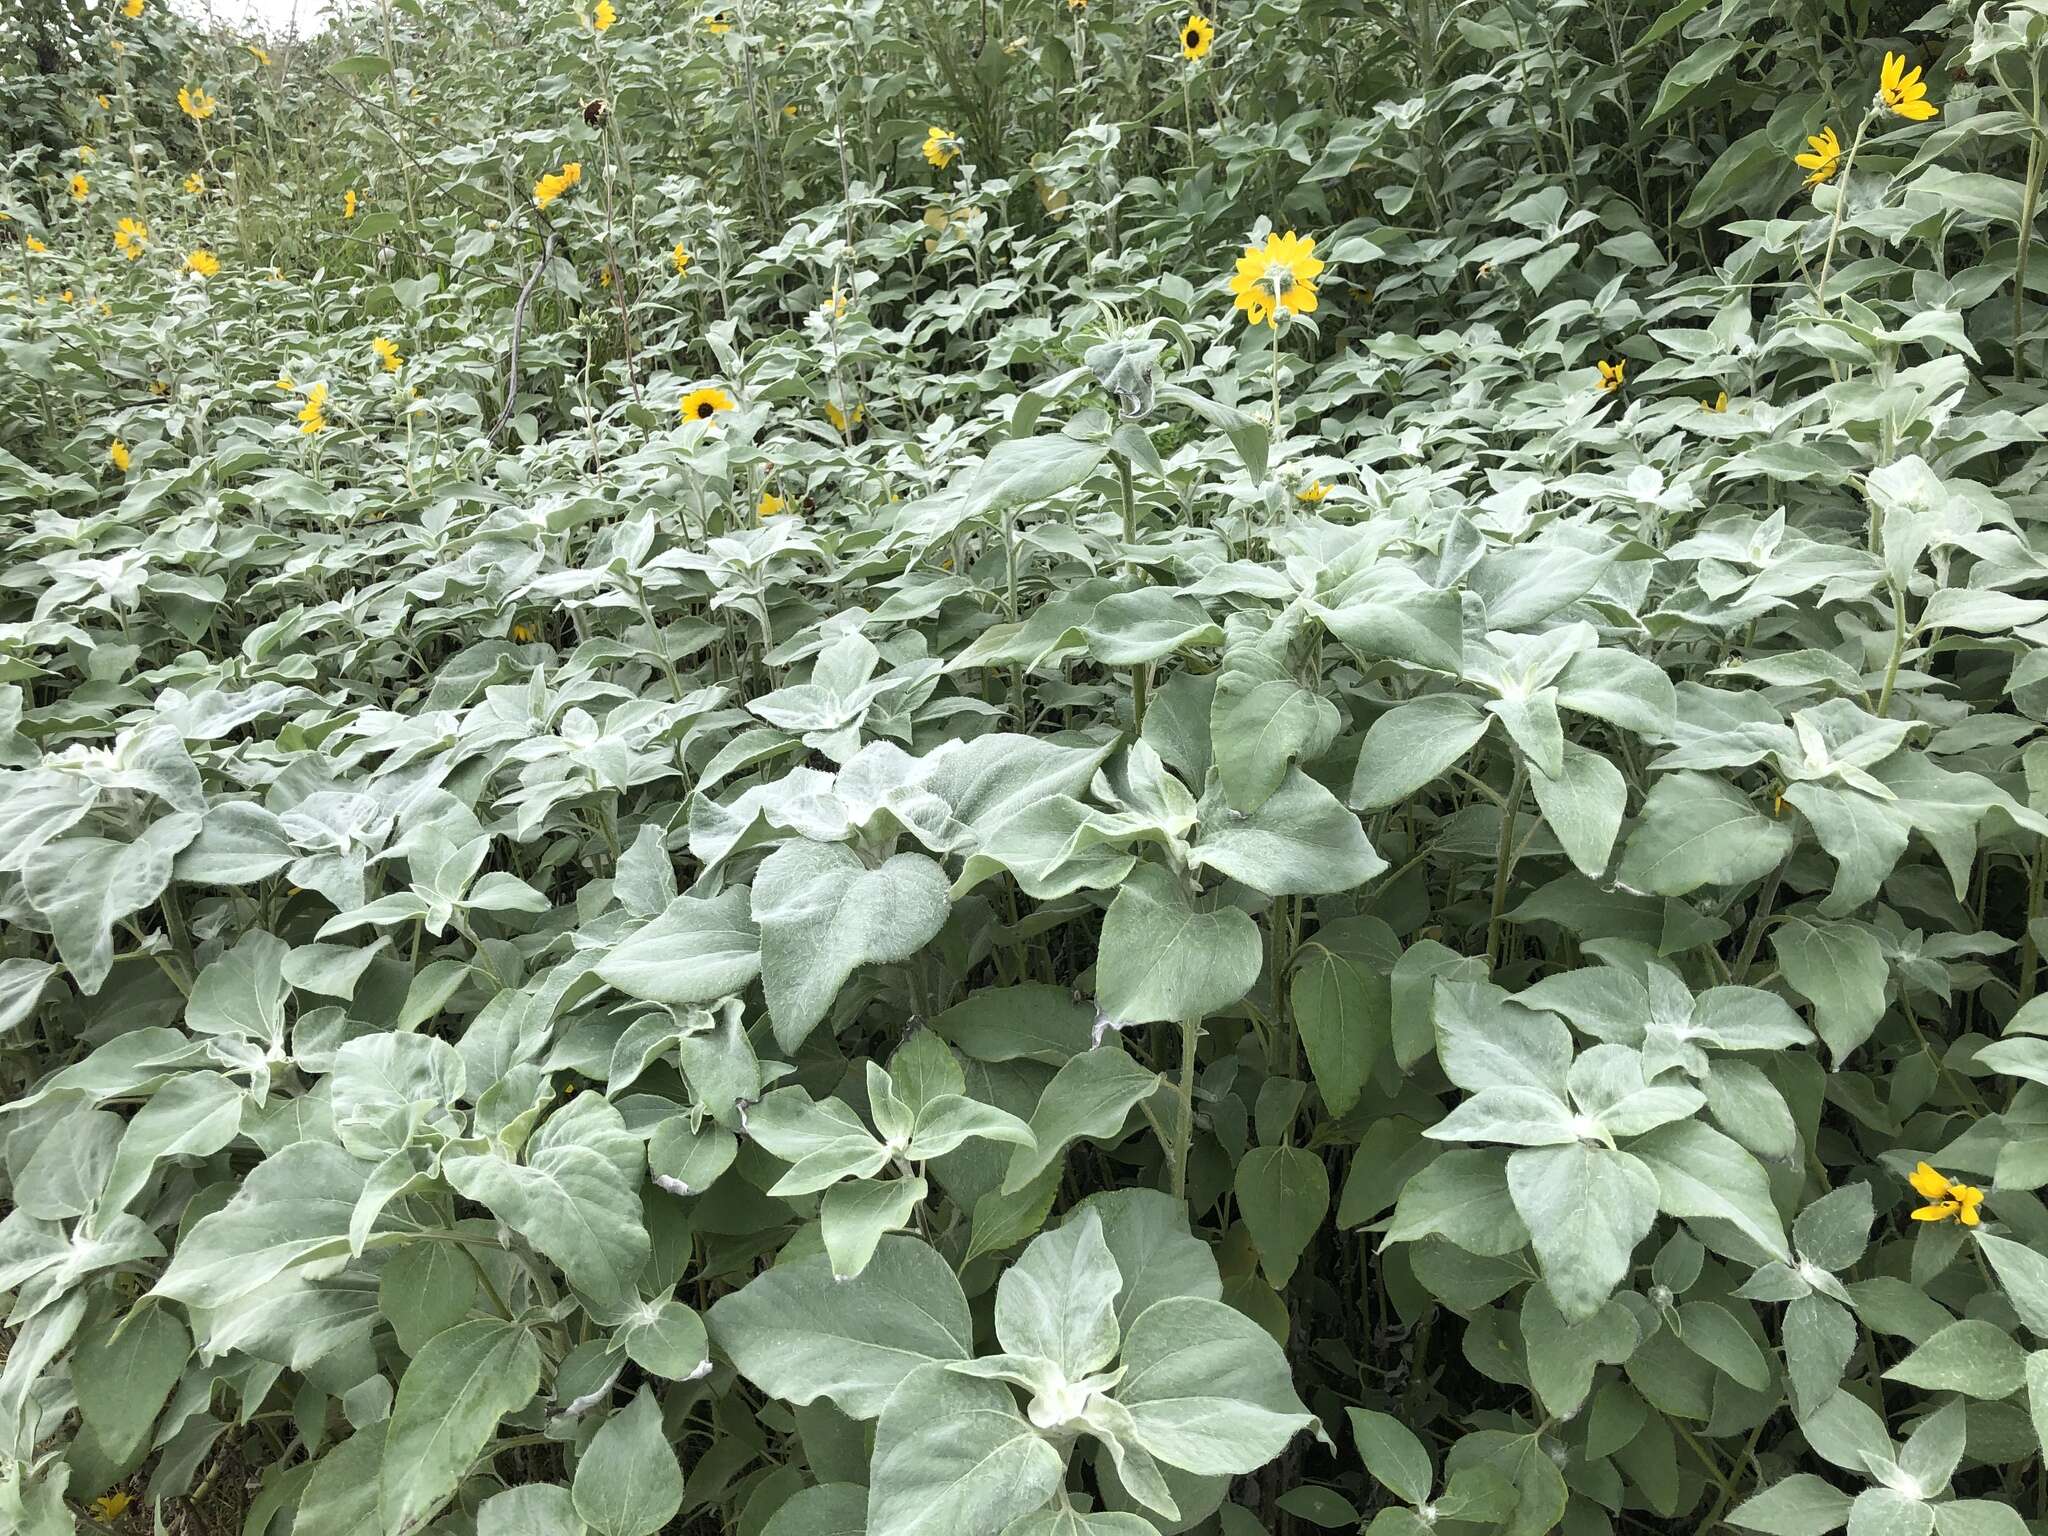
x=705, y=404
x=1196, y=34
x=81, y=189
x=681, y=257
x=112, y=1506
x=132, y=9
x=524, y=634
x=195, y=103
x=602, y=18
x=34, y=246
x=131, y=236
x=1902, y=92
x=313, y=414
x=1824, y=160
x=195, y=184
x=719, y=23
x=555, y=183
x=841, y=421
x=1612, y=375
x=769, y=505
x=118, y=452
x=348, y=203
x=941, y=146
x=387, y=353
x=1946, y=1199
x=834, y=308
x=1312, y=493
x=1718, y=405
x=203, y=262
x=258, y=54
x=1277, y=278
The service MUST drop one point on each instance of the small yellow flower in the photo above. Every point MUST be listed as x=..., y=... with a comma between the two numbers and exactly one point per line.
x=130, y=236
x=1718, y=404
x=604, y=16
x=1077, y=5
x=524, y=634
x=941, y=146
x=257, y=54
x=195, y=185
x=789, y=110
x=555, y=183
x=81, y=189
x=205, y=263
x=195, y=103
x=313, y=414
x=1945, y=1198
x=132, y=9
x=769, y=505
x=387, y=353
x=834, y=308
x=1611, y=375
x=102, y=99
x=1196, y=34
x=34, y=246
x=111, y=1506
x=841, y=422
x=720, y=24
x=1277, y=279
x=118, y=452
x=348, y=203
x=1313, y=492
x=681, y=258
x=1902, y=92
x=604, y=276
x=66, y=295
x=1825, y=159
x=284, y=382
x=703, y=404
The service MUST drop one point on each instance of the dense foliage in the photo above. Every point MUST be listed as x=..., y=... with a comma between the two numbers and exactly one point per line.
x=1068, y=770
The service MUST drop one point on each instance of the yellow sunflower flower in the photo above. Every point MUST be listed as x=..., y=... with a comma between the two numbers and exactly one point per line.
x=604, y=16
x=681, y=258
x=524, y=634
x=111, y=1506
x=81, y=189
x=284, y=382
x=834, y=308
x=1611, y=375
x=313, y=414
x=118, y=452
x=841, y=421
x=769, y=505
x=1196, y=34
x=941, y=146
x=203, y=262
x=1902, y=92
x=1718, y=404
x=719, y=24
x=34, y=246
x=1946, y=1199
x=704, y=404
x=387, y=353
x=348, y=203
x=1277, y=279
x=195, y=184
x=1825, y=159
x=131, y=9
x=130, y=236
x=1313, y=492
x=195, y=103
x=257, y=54
x=555, y=183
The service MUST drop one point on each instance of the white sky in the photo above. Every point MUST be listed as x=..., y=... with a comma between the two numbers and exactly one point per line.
x=272, y=17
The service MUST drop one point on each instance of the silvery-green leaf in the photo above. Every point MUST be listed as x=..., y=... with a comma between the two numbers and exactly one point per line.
x=1300, y=840
x=1146, y=1231
x=1583, y=805
x=450, y=1400
x=699, y=949
x=243, y=992
x=1091, y=1096
x=628, y=1482
x=531, y=1509
x=798, y=1333
x=1283, y=1194
x=1207, y=1388
x=1058, y=1299
x=954, y=1457
x=192, y=1115
x=1563, y=1356
x=83, y=886
x=1800, y=1505
x=292, y=1209
x=1696, y=830
x=664, y=1338
x=823, y=1142
x=1701, y=1174
x=823, y=913
x=854, y=1216
x=1586, y=1208
x=1411, y=745
x=123, y=1370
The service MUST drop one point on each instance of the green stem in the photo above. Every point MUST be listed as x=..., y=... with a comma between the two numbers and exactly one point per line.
x=1184, y=1124
x=1820, y=289
x=1505, y=858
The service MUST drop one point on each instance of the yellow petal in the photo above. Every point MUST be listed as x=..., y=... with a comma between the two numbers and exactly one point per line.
x=1928, y=1182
